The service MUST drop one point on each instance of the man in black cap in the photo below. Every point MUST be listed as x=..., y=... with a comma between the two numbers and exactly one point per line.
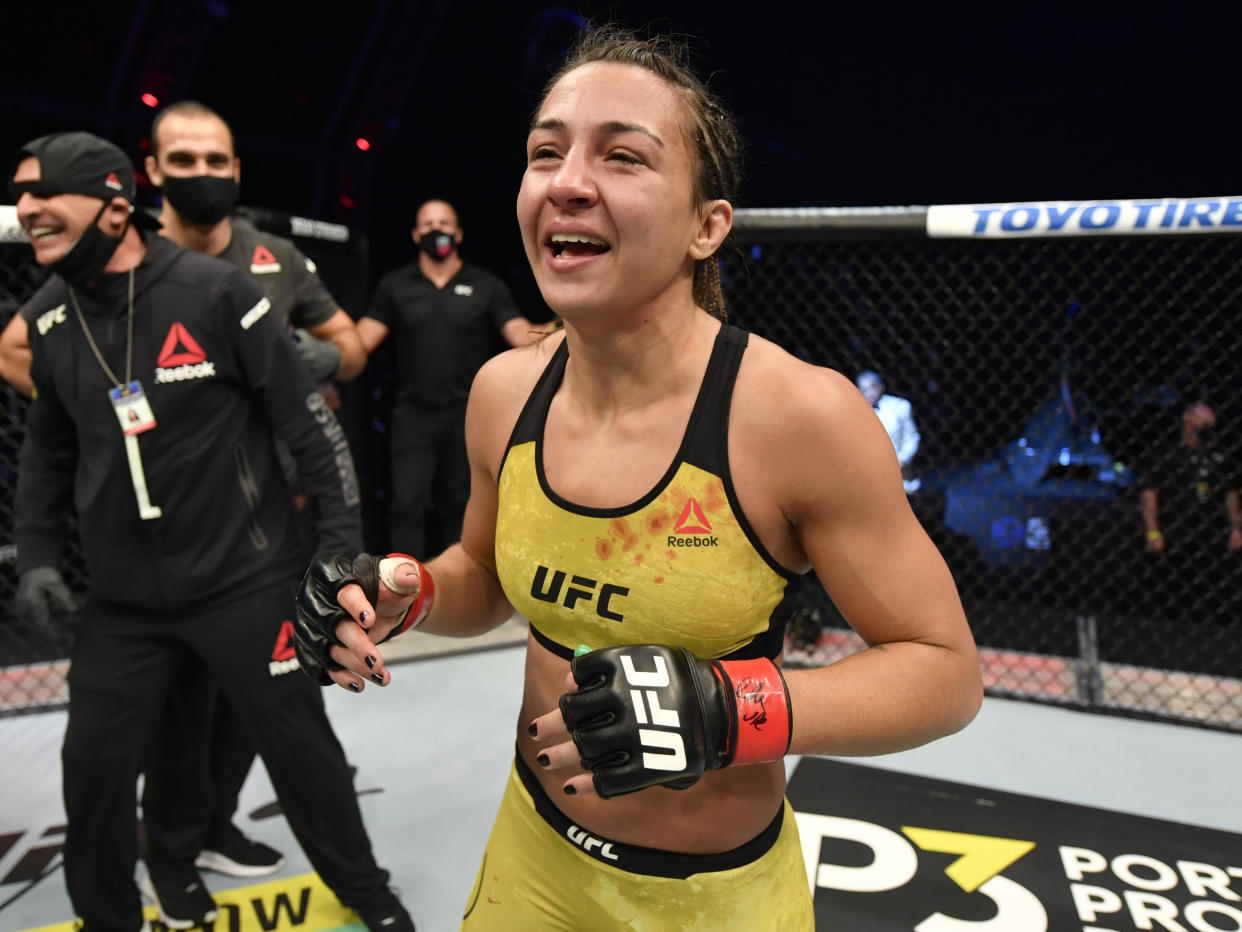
x=193, y=162
x=160, y=375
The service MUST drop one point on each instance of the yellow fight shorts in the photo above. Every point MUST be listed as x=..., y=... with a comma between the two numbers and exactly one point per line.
x=541, y=872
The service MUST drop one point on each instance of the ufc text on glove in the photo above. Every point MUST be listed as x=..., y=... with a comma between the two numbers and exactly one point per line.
x=647, y=715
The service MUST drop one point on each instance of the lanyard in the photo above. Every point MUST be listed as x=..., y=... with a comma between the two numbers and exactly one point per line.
x=129, y=340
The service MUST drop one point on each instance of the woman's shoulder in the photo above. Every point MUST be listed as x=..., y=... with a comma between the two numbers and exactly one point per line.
x=500, y=390
x=773, y=380
x=800, y=420
x=810, y=434
x=513, y=373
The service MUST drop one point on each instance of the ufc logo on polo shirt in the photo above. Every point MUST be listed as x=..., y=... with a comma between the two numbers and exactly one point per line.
x=49, y=319
x=662, y=749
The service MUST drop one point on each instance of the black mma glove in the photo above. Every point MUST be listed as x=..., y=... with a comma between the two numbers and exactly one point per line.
x=317, y=612
x=37, y=589
x=322, y=358
x=647, y=715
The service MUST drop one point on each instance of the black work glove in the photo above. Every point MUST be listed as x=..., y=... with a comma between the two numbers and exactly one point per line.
x=317, y=612
x=647, y=715
x=321, y=357
x=37, y=589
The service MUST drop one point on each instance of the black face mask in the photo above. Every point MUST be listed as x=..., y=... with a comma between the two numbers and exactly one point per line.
x=437, y=245
x=205, y=199
x=88, y=256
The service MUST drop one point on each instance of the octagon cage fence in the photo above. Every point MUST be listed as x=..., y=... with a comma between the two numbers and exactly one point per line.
x=1048, y=351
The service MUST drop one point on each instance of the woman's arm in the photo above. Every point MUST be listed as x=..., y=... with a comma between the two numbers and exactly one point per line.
x=15, y=355
x=468, y=598
x=839, y=487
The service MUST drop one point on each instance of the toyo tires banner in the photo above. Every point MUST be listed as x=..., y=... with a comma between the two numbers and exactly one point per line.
x=1086, y=218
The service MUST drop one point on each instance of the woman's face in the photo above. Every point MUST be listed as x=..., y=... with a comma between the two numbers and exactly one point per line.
x=606, y=207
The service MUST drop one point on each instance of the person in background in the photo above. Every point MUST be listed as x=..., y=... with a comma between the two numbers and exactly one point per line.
x=1192, y=521
x=187, y=527
x=193, y=162
x=897, y=416
x=445, y=315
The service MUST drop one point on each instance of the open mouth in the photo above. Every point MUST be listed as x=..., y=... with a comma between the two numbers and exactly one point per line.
x=43, y=231
x=575, y=245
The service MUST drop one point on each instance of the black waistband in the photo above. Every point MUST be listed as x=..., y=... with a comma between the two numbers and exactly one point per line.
x=637, y=859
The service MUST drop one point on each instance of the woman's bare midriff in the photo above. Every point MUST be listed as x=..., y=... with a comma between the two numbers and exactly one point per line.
x=725, y=809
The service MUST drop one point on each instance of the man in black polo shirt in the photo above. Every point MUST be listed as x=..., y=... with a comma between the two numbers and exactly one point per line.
x=1192, y=520
x=446, y=316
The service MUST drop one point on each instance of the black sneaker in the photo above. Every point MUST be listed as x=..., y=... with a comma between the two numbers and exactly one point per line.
x=179, y=895
x=385, y=914
x=234, y=854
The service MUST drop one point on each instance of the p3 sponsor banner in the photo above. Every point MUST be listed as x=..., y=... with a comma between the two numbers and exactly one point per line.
x=888, y=851
x=301, y=903
x=1086, y=218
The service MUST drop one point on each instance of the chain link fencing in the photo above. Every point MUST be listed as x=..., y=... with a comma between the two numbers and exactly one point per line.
x=1047, y=376
x=32, y=665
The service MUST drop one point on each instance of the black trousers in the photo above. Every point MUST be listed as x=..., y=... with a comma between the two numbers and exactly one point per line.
x=185, y=809
x=1196, y=580
x=430, y=480
x=123, y=666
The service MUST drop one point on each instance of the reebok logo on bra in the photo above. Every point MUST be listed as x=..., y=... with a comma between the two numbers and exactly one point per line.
x=284, y=658
x=693, y=523
x=182, y=358
x=263, y=262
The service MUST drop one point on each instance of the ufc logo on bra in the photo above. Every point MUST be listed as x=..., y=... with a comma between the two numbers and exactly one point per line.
x=581, y=589
x=662, y=750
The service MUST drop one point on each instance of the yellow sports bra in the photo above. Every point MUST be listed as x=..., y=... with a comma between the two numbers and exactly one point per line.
x=680, y=566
